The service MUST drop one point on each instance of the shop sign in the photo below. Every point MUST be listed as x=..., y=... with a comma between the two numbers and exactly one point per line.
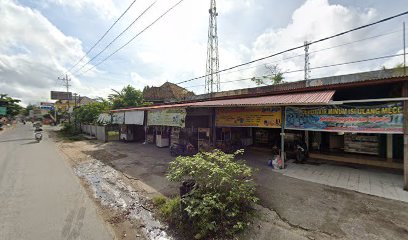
x=3, y=110
x=134, y=117
x=118, y=118
x=387, y=118
x=262, y=117
x=174, y=117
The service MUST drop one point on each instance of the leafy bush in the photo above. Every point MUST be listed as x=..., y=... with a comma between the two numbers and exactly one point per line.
x=159, y=200
x=71, y=132
x=88, y=114
x=220, y=201
x=170, y=210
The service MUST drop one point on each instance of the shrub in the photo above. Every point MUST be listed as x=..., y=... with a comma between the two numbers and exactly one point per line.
x=70, y=129
x=220, y=201
x=70, y=132
x=169, y=209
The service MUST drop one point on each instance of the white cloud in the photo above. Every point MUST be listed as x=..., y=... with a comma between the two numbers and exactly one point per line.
x=106, y=8
x=174, y=49
x=316, y=19
x=31, y=56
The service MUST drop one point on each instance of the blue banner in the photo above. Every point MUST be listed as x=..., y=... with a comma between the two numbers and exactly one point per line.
x=386, y=118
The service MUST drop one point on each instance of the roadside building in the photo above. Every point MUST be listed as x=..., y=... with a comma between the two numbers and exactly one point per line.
x=356, y=118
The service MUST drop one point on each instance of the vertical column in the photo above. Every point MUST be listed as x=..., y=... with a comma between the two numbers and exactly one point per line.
x=389, y=147
x=307, y=139
x=283, y=137
x=213, y=127
x=405, y=112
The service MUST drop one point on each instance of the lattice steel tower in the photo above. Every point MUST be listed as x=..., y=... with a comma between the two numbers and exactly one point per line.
x=212, y=79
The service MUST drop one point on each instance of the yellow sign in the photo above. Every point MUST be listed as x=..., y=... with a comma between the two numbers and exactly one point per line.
x=262, y=117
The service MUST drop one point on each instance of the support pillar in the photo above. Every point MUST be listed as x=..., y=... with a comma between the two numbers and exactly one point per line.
x=307, y=139
x=405, y=113
x=283, y=137
x=213, y=127
x=389, y=147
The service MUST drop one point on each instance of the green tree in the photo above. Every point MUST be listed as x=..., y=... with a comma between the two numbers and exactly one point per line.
x=274, y=76
x=221, y=199
x=26, y=110
x=88, y=114
x=127, y=97
x=13, y=108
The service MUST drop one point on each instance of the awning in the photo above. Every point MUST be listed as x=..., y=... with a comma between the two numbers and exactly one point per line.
x=310, y=98
x=104, y=118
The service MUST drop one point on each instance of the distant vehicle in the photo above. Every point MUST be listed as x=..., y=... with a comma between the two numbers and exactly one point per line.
x=38, y=136
x=38, y=133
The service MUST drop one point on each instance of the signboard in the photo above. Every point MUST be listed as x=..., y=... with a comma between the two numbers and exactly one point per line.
x=55, y=95
x=387, y=118
x=262, y=117
x=3, y=111
x=174, y=117
x=46, y=104
x=118, y=118
x=134, y=117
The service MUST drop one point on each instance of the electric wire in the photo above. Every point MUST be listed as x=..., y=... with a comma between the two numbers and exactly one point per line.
x=138, y=34
x=319, y=50
x=116, y=38
x=318, y=67
x=102, y=37
x=299, y=47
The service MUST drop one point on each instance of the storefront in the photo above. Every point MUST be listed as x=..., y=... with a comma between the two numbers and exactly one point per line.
x=198, y=128
x=246, y=126
x=132, y=130
x=160, y=123
x=368, y=133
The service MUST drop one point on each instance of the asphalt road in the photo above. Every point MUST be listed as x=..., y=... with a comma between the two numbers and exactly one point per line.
x=40, y=197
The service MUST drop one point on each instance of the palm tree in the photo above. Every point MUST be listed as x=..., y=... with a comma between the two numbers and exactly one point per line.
x=127, y=97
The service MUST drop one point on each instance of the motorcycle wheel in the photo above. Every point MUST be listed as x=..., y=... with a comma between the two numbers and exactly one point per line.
x=300, y=157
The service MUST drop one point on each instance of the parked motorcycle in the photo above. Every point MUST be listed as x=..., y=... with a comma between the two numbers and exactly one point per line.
x=182, y=150
x=301, y=152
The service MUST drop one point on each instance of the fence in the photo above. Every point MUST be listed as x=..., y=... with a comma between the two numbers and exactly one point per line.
x=95, y=131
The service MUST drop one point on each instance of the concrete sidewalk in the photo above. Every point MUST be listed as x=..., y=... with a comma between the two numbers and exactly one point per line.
x=377, y=182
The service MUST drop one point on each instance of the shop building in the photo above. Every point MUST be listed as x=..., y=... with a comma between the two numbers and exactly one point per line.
x=357, y=118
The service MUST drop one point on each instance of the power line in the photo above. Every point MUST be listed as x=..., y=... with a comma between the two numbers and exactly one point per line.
x=103, y=36
x=127, y=43
x=315, y=51
x=319, y=67
x=117, y=37
x=302, y=46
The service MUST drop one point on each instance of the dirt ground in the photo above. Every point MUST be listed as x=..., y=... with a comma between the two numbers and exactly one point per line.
x=290, y=208
x=76, y=154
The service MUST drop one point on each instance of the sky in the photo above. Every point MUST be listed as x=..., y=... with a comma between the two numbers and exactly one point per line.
x=42, y=40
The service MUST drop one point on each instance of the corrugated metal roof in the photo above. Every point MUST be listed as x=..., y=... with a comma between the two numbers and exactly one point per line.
x=314, y=98
x=308, y=98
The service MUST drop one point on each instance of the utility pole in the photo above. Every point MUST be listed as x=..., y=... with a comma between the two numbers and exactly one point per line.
x=405, y=55
x=66, y=81
x=307, y=61
x=212, y=79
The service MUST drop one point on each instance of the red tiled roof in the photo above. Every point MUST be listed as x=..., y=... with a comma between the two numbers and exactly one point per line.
x=308, y=98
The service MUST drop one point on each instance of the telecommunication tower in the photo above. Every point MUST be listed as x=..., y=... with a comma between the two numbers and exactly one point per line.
x=212, y=79
x=307, y=61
